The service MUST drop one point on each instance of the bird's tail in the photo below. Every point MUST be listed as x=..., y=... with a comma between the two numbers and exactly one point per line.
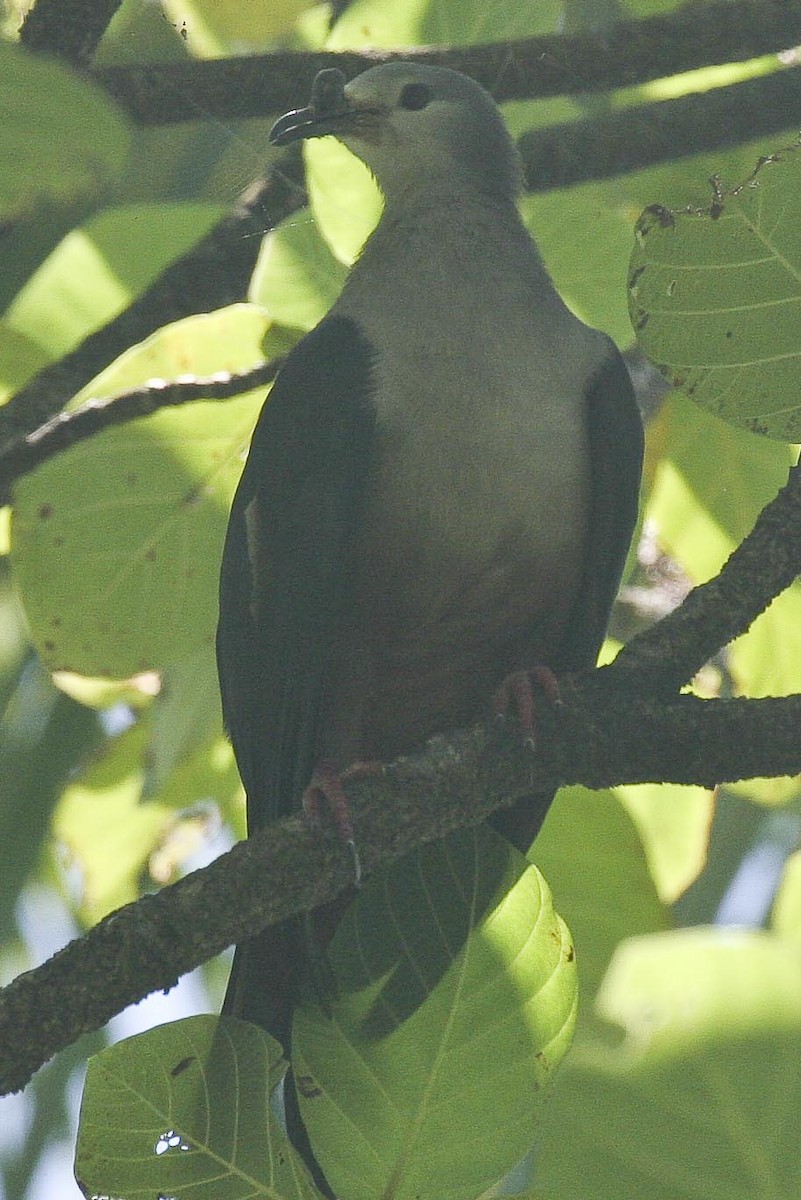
x=263, y=986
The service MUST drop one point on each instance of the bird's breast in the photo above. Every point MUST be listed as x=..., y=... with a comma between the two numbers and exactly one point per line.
x=479, y=447
x=470, y=551
x=472, y=540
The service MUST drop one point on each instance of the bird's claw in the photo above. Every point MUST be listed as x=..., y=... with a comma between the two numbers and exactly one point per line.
x=327, y=785
x=516, y=691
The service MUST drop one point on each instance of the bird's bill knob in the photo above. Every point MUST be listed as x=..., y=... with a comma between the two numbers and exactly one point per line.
x=328, y=111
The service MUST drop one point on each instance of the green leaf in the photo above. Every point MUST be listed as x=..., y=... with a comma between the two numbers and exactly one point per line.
x=343, y=195
x=61, y=135
x=20, y=358
x=215, y=28
x=184, y=1110
x=584, y=235
x=674, y=823
x=209, y=774
x=116, y=542
x=715, y=298
x=700, y=1098
x=385, y=23
x=97, y=270
x=296, y=278
x=106, y=831
x=592, y=854
x=766, y=661
x=185, y=715
x=701, y=515
x=456, y=1000
x=702, y=529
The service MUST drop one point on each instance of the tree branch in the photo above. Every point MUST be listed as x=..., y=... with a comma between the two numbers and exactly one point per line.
x=629, y=139
x=600, y=737
x=70, y=29
x=632, y=52
x=216, y=271
x=212, y=274
x=615, y=726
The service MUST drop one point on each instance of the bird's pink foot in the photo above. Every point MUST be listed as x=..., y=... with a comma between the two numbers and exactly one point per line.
x=327, y=787
x=516, y=692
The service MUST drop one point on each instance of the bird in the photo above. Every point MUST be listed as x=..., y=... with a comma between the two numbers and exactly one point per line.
x=441, y=487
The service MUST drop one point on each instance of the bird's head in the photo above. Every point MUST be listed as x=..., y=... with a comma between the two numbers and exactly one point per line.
x=417, y=128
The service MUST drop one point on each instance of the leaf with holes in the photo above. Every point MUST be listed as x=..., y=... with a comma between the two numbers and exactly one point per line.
x=715, y=298
x=184, y=1110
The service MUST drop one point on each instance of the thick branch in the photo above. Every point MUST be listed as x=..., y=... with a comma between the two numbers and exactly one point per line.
x=70, y=29
x=212, y=274
x=600, y=737
x=630, y=139
x=696, y=35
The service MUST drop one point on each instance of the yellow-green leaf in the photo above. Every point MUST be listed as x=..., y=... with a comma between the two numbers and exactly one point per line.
x=456, y=1000
x=116, y=543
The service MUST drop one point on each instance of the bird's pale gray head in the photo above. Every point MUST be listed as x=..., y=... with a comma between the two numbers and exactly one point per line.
x=418, y=128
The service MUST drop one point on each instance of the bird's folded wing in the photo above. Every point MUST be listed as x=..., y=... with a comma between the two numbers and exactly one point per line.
x=616, y=448
x=288, y=561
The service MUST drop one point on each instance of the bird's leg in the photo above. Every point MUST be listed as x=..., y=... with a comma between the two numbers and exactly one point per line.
x=327, y=786
x=516, y=691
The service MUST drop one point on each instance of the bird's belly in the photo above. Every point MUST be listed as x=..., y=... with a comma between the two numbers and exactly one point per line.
x=475, y=563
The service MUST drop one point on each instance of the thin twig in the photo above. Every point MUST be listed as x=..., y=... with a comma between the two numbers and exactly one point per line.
x=66, y=429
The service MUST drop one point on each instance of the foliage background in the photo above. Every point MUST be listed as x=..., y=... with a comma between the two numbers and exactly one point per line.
x=685, y=1078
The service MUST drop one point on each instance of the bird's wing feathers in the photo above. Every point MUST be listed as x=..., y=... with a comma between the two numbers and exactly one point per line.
x=288, y=560
x=615, y=437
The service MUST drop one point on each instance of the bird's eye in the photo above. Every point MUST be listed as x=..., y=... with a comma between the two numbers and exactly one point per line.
x=415, y=96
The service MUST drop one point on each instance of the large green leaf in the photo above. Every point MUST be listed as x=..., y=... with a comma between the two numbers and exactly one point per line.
x=674, y=823
x=117, y=541
x=715, y=297
x=107, y=833
x=97, y=270
x=593, y=857
x=701, y=1098
x=584, y=235
x=60, y=136
x=297, y=278
x=184, y=1110
x=456, y=1000
x=185, y=715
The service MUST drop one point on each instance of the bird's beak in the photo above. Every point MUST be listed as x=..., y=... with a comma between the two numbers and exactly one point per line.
x=329, y=111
